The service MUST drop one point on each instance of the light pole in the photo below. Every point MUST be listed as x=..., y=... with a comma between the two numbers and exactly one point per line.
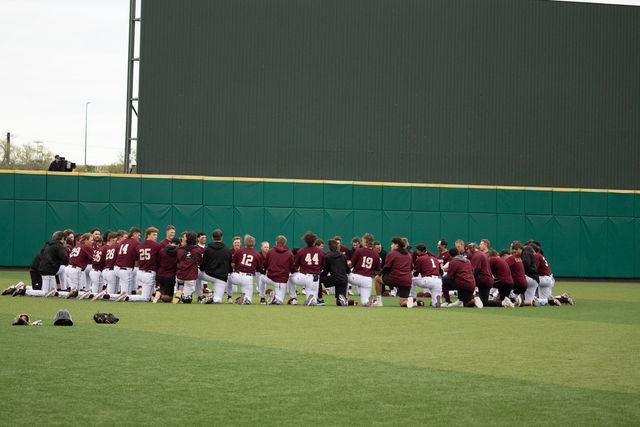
x=86, y=114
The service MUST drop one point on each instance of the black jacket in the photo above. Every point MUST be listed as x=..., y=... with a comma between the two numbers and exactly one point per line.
x=53, y=256
x=335, y=264
x=35, y=263
x=529, y=262
x=216, y=261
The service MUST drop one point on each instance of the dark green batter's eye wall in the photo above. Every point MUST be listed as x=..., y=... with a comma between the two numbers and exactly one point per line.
x=490, y=92
x=584, y=233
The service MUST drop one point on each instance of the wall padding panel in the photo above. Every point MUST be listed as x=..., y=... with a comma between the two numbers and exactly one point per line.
x=582, y=232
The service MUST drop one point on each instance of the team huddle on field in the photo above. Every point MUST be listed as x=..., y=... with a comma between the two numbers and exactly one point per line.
x=117, y=266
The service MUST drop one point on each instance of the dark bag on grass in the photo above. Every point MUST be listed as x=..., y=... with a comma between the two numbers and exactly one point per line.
x=105, y=318
x=63, y=318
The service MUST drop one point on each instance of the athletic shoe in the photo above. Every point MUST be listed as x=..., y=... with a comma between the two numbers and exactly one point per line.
x=201, y=298
x=99, y=295
x=393, y=292
x=478, y=302
x=73, y=294
x=535, y=302
x=177, y=297
x=156, y=297
x=555, y=301
x=445, y=304
x=370, y=302
x=271, y=299
x=122, y=298
x=304, y=291
x=12, y=289
x=240, y=299
x=342, y=301
x=377, y=303
x=263, y=301
x=51, y=293
x=349, y=292
x=410, y=302
x=507, y=303
x=292, y=301
x=85, y=295
x=19, y=291
x=320, y=302
x=569, y=298
x=186, y=300
x=229, y=300
x=9, y=290
x=518, y=301
x=438, y=302
x=456, y=304
x=310, y=301
x=325, y=292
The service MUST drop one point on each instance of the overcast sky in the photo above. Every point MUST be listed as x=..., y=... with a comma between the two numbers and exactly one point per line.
x=55, y=56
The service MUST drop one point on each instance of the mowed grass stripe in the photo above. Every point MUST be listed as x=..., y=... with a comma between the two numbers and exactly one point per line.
x=121, y=376
x=585, y=354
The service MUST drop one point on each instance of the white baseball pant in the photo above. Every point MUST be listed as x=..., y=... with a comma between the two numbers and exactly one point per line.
x=97, y=281
x=363, y=284
x=245, y=282
x=62, y=276
x=532, y=287
x=306, y=281
x=75, y=277
x=218, y=286
x=279, y=289
x=261, y=285
x=433, y=284
x=545, y=289
x=125, y=279
x=111, y=278
x=146, y=279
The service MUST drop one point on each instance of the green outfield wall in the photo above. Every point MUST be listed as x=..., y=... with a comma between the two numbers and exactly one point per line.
x=584, y=233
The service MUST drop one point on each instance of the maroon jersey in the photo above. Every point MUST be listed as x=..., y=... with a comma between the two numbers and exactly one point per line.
x=147, y=255
x=109, y=252
x=517, y=271
x=98, y=259
x=189, y=259
x=400, y=265
x=164, y=242
x=479, y=261
x=247, y=260
x=199, y=249
x=462, y=273
x=427, y=265
x=365, y=262
x=167, y=264
x=500, y=269
x=345, y=251
x=262, y=263
x=81, y=256
x=126, y=256
x=543, y=266
x=279, y=263
x=310, y=259
x=443, y=258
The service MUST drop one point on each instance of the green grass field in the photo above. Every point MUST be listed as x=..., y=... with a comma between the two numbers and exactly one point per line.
x=287, y=365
